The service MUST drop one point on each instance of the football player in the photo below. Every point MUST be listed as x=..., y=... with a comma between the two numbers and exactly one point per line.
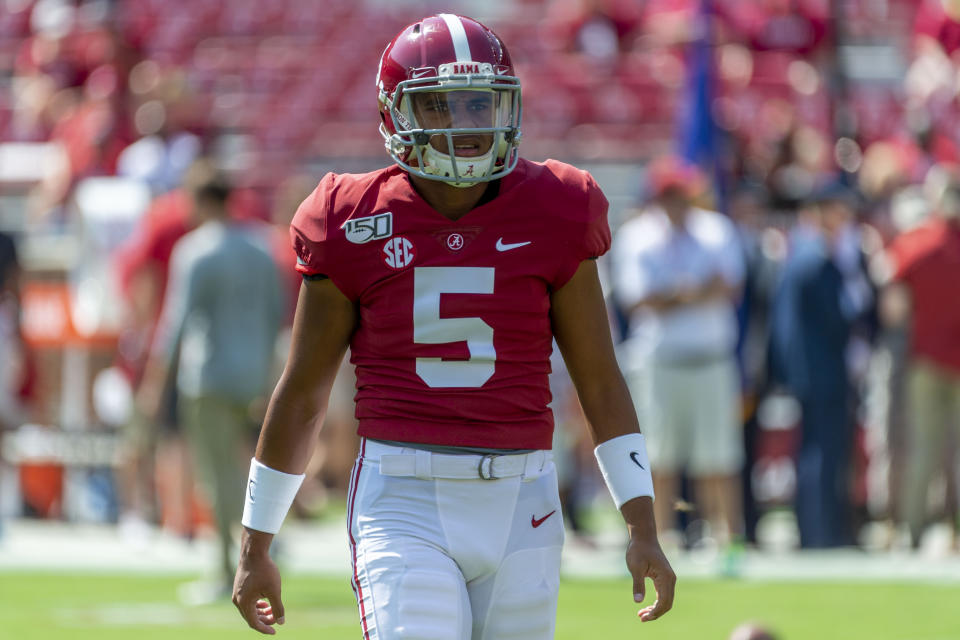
x=448, y=274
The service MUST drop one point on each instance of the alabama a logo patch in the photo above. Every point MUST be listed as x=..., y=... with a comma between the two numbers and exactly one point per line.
x=363, y=230
x=453, y=240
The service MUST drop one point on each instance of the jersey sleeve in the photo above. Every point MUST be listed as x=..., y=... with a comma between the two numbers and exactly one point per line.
x=588, y=232
x=596, y=241
x=310, y=231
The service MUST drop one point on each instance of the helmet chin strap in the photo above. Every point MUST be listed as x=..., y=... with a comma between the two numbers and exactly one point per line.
x=441, y=165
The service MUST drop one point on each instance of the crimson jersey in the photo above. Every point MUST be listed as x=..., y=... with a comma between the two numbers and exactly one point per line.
x=454, y=338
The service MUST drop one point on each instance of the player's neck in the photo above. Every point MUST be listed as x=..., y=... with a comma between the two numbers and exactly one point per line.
x=451, y=202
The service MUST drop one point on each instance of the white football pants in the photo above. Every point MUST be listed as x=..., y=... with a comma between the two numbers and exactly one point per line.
x=440, y=553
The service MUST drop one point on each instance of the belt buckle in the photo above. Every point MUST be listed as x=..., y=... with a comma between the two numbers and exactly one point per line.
x=485, y=466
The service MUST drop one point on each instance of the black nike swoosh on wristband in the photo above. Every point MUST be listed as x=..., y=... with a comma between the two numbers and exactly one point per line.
x=633, y=456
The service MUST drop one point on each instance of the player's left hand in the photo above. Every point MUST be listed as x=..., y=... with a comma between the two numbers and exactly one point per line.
x=645, y=559
x=256, y=586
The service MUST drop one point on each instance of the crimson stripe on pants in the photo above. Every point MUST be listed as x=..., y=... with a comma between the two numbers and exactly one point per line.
x=354, y=481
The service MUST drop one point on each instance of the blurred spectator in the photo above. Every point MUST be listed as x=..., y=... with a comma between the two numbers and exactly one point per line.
x=90, y=131
x=12, y=354
x=13, y=361
x=34, y=108
x=798, y=161
x=9, y=267
x=678, y=271
x=221, y=316
x=90, y=136
x=598, y=29
x=798, y=26
x=922, y=296
x=142, y=263
x=162, y=155
x=163, y=120
x=908, y=209
x=812, y=320
x=142, y=268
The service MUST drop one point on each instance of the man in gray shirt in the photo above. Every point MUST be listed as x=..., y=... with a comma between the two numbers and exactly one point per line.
x=221, y=314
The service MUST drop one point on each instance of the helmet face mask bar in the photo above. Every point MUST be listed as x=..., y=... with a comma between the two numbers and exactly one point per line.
x=435, y=104
x=415, y=138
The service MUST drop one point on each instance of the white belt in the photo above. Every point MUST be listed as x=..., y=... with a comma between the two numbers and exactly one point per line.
x=418, y=463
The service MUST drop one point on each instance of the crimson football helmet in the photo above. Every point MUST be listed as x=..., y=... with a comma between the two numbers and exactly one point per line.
x=449, y=101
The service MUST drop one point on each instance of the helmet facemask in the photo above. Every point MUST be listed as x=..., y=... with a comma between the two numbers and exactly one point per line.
x=474, y=115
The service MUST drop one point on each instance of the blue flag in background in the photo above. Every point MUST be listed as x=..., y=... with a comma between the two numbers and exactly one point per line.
x=697, y=138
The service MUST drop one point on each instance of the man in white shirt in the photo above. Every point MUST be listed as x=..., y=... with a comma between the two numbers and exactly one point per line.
x=677, y=272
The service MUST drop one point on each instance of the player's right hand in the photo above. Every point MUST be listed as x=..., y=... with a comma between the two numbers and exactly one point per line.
x=256, y=591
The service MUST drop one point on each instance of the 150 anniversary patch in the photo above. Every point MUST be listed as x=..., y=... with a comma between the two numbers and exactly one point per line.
x=363, y=230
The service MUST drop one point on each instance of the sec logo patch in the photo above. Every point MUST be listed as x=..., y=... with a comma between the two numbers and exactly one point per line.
x=398, y=252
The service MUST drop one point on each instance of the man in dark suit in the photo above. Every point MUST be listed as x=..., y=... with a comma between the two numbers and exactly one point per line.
x=811, y=324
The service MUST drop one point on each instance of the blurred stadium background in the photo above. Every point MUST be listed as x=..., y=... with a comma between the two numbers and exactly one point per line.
x=105, y=103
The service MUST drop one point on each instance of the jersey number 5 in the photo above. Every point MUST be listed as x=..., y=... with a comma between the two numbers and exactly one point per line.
x=429, y=283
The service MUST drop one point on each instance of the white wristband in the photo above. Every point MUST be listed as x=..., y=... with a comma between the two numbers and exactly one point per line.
x=269, y=496
x=625, y=467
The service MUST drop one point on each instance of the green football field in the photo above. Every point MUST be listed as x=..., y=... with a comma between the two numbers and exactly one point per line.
x=103, y=607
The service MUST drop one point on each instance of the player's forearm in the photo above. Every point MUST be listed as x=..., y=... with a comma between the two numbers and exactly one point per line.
x=610, y=413
x=607, y=406
x=292, y=423
x=613, y=417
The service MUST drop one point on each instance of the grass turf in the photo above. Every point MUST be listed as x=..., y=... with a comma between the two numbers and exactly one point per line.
x=105, y=607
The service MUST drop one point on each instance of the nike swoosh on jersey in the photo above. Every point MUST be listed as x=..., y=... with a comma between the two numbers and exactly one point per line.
x=534, y=522
x=501, y=246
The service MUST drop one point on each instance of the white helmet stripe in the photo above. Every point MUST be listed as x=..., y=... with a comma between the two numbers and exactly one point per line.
x=460, y=44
